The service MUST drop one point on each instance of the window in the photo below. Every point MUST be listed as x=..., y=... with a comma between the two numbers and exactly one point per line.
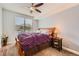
x=23, y=24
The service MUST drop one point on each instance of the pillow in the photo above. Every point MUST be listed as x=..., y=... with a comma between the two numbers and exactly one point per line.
x=44, y=31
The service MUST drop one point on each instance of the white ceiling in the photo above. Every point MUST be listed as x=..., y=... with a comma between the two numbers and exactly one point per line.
x=47, y=9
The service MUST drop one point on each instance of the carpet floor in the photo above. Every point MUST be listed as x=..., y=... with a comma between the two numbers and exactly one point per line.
x=53, y=52
x=11, y=50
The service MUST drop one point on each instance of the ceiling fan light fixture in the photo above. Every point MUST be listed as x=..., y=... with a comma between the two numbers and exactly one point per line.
x=32, y=8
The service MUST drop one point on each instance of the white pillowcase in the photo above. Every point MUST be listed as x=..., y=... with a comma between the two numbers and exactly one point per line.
x=44, y=31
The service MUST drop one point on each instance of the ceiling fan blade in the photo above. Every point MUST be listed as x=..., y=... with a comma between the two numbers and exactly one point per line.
x=38, y=5
x=38, y=10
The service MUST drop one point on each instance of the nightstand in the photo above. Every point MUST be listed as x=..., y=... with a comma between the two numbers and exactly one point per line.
x=56, y=43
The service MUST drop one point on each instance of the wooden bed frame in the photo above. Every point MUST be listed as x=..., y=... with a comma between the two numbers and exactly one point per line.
x=20, y=50
x=38, y=48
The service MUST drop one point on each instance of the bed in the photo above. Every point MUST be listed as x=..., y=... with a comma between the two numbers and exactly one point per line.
x=31, y=43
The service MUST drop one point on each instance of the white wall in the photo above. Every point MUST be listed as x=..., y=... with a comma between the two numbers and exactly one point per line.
x=35, y=25
x=0, y=24
x=9, y=23
x=68, y=23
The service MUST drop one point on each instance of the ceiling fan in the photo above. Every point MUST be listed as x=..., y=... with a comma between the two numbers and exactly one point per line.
x=35, y=6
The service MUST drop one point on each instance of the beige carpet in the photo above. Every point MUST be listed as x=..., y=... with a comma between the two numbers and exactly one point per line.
x=53, y=52
x=11, y=50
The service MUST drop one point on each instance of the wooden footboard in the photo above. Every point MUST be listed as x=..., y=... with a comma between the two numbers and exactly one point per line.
x=20, y=50
x=33, y=50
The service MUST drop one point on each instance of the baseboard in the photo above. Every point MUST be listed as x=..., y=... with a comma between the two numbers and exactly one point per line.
x=70, y=50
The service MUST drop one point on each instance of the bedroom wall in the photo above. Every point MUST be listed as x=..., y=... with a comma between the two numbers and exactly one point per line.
x=35, y=25
x=68, y=23
x=0, y=24
x=9, y=23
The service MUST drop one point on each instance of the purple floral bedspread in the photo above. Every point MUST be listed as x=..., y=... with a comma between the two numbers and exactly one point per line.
x=29, y=40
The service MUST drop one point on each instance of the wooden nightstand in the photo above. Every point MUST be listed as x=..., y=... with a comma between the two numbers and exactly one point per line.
x=56, y=43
